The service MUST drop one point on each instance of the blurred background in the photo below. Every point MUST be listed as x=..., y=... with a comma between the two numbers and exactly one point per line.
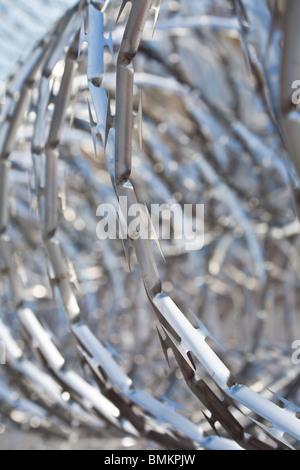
x=210, y=138
x=22, y=24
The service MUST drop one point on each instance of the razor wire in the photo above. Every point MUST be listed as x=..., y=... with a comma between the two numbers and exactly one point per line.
x=105, y=395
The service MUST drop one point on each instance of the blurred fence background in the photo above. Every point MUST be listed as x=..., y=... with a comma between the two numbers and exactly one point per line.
x=210, y=138
x=22, y=24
